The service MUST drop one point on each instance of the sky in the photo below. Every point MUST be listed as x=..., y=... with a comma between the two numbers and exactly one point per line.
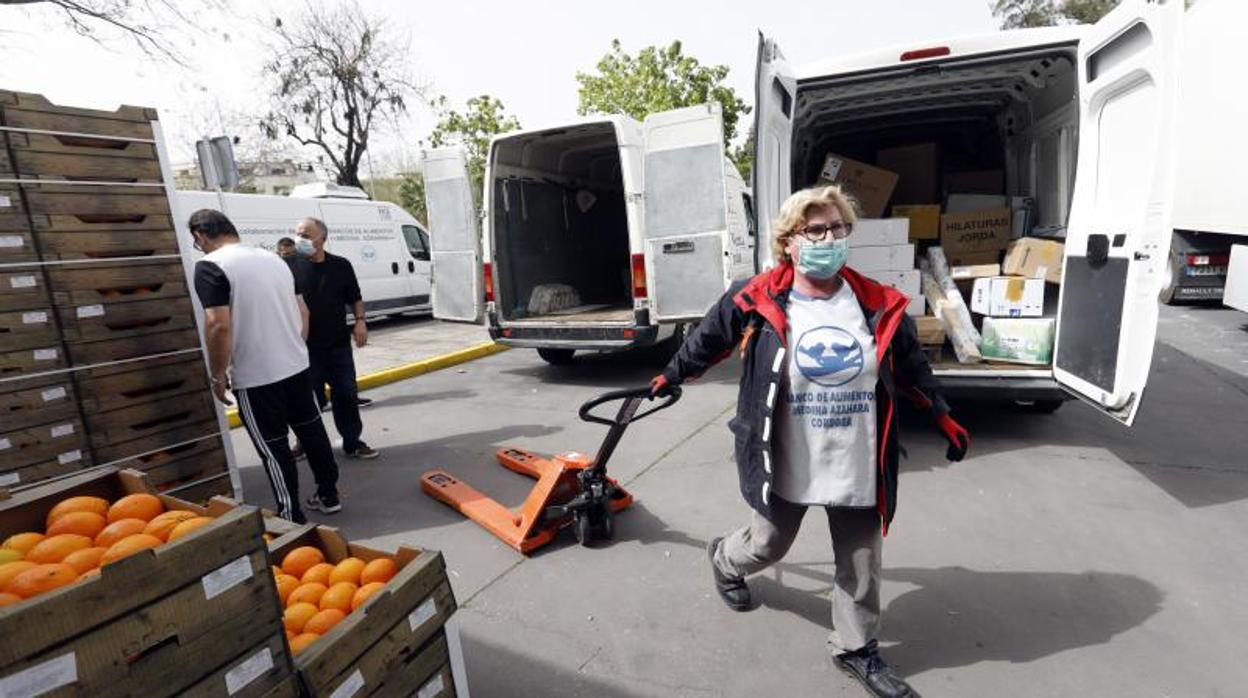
x=526, y=53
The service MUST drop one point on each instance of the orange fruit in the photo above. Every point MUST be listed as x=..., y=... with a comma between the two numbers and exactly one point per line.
x=55, y=548
x=382, y=569
x=22, y=542
x=307, y=593
x=163, y=525
x=324, y=621
x=347, y=571
x=117, y=530
x=8, y=555
x=339, y=596
x=85, y=560
x=289, y=635
x=285, y=585
x=136, y=506
x=301, y=642
x=297, y=615
x=301, y=560
x=317, y=573
x=186, y=527
x=11, y=570
x=8, y=599
x=128, y=546
x=82, y=523
x=365, y=593
x=41, y=579
x=93, y=572
x=95, y=505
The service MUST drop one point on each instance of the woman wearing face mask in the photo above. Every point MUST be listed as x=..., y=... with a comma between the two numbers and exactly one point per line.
x=825, y=352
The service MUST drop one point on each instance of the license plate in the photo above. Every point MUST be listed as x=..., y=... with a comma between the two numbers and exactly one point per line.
x=1206, y=271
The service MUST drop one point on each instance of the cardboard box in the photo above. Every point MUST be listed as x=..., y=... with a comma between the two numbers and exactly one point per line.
x=908, y=283
x=924, y=220
x=974, y=271
x=1034, y=259
x=1008, y=296
x=881, y=258
x=870, y=232
x=1017, y=340
x=918, y=173
x=931, y=332
x=977, y=182
x=870, y=185
x=1022, y=209
x=983, y=232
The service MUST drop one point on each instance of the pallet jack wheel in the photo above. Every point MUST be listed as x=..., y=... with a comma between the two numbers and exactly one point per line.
x=606, y=524
x=581, y=525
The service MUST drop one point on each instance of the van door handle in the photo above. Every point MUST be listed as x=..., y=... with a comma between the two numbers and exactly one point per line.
x=411, y=266
x=394, y=267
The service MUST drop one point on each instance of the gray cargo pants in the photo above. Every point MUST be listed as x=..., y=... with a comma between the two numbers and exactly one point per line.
x=856, y=549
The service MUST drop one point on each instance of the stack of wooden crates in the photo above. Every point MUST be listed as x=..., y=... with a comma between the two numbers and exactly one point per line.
x=100, y=360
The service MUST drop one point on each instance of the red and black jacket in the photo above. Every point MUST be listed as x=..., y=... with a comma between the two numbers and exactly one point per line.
x=751, y=319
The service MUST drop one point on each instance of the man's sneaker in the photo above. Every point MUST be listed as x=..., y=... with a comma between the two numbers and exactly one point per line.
x=874, y=673
x=297, y=451
x=297, y=517
x=362, y=451
x=363, y=401
x=326, y=505
x=733, y=590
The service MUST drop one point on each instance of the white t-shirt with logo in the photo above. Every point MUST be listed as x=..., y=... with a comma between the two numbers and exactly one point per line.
x=825, y=418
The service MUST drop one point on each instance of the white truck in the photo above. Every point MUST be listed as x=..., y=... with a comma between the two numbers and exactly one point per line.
x=599, y=234
x=387, y=246
x=1098, y=123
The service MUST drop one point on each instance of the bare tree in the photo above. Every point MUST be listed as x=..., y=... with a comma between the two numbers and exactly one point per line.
x=146, y=22
x=335, y=75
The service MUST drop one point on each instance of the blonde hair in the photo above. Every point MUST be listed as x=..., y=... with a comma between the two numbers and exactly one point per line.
x=793, y=214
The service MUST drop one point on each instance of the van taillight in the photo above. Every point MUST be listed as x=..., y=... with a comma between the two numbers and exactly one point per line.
x=1208, y=260
x=920, y=54
x=487, y=271
x=639, y=276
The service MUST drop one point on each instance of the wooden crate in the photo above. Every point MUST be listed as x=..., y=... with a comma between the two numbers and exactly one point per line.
x=181, y=465
x=67, y=237
x=105, y=350
x=156, y=623
x=24, y=329
x=39, y=400
x=251, y=676
x=377, y=640
x=155, y=443
x=35, y=474
x=82, y=158
x=425, y=673
x=17, y=241
x=108, y=388
x=137, y=421
x=98, y=203
x=29, y=362
x=98, y=321
x=91, y=284
x=24, y=110
x=23, y=289
x=37, y=444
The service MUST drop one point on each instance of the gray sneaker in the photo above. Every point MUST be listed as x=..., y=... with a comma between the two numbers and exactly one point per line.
x=363, y=451
x=327, y=505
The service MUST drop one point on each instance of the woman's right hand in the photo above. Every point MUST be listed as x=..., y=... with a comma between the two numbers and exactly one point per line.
x=658, y=386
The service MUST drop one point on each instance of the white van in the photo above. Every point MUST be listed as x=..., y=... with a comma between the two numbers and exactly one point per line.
x=387, y=246
x=1084, y=119
x=601, y=234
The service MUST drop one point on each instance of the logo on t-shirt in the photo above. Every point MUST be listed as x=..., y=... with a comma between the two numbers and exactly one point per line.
x=829, y=356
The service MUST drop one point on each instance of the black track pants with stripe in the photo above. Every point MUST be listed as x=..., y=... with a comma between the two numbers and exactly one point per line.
x=268, y=412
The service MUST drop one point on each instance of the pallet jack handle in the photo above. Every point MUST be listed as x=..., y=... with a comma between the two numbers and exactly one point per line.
x=632, y=398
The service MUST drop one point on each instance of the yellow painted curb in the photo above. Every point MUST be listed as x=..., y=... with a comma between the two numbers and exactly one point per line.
x=405, y=371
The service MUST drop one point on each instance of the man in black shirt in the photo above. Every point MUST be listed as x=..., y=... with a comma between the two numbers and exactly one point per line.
x=330, y=287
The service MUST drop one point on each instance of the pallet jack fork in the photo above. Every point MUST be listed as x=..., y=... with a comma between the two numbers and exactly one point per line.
x=572, y=488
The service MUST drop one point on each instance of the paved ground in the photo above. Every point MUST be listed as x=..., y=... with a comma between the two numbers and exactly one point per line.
x=1066, y=556
x=401, y=340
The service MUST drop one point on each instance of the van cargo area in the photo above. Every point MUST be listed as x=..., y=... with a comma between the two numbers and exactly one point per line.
x=560, y=230
x=1015, y=115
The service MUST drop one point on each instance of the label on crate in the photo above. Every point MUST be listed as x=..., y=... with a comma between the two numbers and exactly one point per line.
x=5, y=444
x=350, y=687
x=227, y=577
x=35, y=318
x=8, y=479
x=46, y=354
x=57, y=393
x=5, y=202
x=426, y=610
x=23, y=281
x=11, y=241
x=252, y=668
x=62, y=430
x=90, y=310
x=69, y=457
x=432, y=688
x=41, y=678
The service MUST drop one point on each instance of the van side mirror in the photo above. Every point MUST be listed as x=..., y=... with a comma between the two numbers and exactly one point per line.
x=422, y=255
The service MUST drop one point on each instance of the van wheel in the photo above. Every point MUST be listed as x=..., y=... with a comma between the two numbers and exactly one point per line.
x=1172, y=282
x=556, y=357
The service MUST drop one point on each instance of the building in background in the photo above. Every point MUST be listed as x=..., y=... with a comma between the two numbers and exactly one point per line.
x=277, y=177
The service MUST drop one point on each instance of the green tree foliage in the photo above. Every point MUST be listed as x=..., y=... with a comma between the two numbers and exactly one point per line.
x=412, y=196
x=1017, y=14
x=658, y=79
x=484, y=118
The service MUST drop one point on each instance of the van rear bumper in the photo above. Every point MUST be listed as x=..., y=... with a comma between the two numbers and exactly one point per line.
x=587, y=337
x=1025, y=386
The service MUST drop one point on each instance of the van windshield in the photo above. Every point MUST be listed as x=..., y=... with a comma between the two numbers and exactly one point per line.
x=417, y=242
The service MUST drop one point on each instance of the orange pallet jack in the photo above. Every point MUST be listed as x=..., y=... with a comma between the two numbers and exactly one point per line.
x=572, y=489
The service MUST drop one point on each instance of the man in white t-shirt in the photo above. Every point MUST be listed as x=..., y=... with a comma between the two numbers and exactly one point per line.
x=255, y=323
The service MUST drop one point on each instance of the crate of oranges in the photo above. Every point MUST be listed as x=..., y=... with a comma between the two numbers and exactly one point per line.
x=108, y=588
x=360, y=621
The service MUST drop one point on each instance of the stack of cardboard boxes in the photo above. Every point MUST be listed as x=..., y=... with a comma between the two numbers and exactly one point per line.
x=990, y=263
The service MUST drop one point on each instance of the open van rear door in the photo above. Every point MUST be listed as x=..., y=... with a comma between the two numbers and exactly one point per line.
x=455, y=244
x=686, y=221
x=1118, y=235
x=775, y=88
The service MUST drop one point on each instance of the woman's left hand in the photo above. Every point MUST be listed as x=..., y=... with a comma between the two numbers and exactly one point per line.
x=959, y=438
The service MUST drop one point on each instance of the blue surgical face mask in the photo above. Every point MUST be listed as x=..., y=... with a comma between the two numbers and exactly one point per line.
x=822, y=260
x=304, y=247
